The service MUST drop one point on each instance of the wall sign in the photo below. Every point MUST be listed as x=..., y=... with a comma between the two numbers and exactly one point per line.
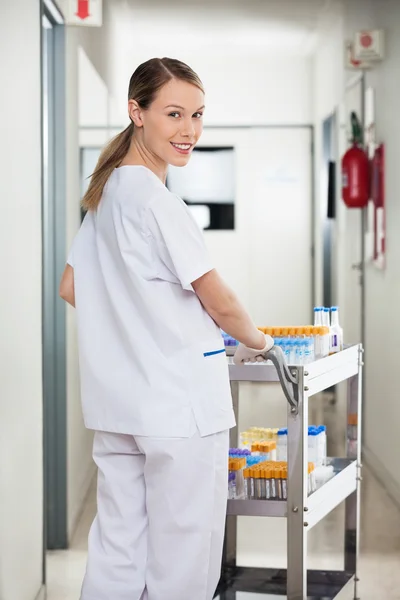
x=378, y=199
x=88, y=13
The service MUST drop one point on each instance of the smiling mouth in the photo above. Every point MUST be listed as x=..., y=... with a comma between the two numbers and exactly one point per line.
x=182, y=147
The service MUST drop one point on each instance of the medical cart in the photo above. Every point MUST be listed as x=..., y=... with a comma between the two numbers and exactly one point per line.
x=302, y=511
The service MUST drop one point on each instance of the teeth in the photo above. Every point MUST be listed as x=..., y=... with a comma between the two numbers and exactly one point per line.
x=182, y=146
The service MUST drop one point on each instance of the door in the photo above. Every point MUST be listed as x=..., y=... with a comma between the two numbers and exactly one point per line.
x=280, y=226
x=267, y=258
x=350, y=243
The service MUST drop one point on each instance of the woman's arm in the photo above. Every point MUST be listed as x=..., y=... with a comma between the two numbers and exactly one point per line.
x=67, y=289
x=224, y=307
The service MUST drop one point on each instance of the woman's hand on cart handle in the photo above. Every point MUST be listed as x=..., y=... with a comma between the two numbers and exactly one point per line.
x=244, y=354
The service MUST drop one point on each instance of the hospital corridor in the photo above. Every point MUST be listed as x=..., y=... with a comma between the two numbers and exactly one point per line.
x=200, y=287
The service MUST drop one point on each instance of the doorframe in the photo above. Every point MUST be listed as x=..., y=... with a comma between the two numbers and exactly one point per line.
x=53, y=309
x=311, y=129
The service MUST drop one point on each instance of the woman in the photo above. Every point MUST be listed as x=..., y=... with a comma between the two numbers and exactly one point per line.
x=154, y=377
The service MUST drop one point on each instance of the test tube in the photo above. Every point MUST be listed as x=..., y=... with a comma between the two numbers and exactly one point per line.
x=247, y=485
x=262, y=449
x=252, y=481
x=272, y=451
x=257, y=486
x=262, y=480
x=268, y=483
x=267, y=452
x=284, y=483
x=231, y=479
x=240, y=491
x=273, y=495
x=317, y=342
x=236, y=480
x=311, y=478
x=291, y=357
x=278, y=483
x=255, y=449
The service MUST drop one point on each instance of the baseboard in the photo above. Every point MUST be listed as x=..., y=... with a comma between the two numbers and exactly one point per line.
x=42, y=595
x=80, y=504
x=381, y=473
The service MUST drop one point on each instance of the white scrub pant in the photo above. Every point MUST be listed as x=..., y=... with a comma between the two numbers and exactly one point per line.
x=159, y=530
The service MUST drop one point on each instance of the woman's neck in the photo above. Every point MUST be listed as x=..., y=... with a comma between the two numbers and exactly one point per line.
x=139, y=155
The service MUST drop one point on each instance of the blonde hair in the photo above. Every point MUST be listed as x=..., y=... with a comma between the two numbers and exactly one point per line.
x=145, y=82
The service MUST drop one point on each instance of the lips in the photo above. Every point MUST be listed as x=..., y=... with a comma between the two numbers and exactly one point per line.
x=182, y=148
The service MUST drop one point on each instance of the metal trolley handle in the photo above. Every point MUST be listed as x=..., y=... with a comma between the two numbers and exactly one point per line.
x=287, y=380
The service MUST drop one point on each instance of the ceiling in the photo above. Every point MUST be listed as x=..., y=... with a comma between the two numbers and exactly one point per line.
x=284, y=26
x=204, y=33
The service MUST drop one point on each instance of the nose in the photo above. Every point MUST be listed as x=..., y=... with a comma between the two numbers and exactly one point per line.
x=188, y=130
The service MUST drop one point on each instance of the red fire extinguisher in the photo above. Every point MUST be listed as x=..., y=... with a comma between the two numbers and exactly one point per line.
x=355, y=170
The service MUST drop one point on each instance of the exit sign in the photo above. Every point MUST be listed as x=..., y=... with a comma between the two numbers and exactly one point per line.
x=88, y=13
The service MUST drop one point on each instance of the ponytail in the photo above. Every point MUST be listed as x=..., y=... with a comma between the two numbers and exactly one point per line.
x=110, y=158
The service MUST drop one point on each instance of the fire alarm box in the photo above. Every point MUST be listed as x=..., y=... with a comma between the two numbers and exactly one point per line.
x=369, y=45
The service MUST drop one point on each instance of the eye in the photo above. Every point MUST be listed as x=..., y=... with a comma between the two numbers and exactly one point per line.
x=173, y=114
x=199, y=115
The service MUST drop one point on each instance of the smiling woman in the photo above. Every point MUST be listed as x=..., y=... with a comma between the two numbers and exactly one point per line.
x=154, y=377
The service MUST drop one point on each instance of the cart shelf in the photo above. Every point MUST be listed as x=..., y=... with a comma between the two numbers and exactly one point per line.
x=320, y=374
x=319, y=504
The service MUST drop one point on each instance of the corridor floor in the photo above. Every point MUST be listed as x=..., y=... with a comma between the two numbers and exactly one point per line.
x=261, y=542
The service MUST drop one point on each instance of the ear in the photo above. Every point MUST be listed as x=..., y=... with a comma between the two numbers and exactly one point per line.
x=135, y=113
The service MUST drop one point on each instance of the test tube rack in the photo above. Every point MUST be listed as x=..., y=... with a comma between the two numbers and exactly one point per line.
x=301, y=511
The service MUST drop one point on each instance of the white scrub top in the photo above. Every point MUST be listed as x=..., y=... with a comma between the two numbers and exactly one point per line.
x=152, y=361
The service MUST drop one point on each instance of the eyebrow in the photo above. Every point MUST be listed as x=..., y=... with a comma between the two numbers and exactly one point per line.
x=181, y=107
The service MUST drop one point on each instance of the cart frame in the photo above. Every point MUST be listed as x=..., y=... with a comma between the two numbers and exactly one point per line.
x=302, y=511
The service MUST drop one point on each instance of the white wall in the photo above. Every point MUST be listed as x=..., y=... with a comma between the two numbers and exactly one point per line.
x=21, y=447
x=382, y=409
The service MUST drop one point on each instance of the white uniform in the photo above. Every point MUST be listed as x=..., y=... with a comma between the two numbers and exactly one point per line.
x=155, y=387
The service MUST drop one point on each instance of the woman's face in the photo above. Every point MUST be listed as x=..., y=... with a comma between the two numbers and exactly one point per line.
x=173, y=123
